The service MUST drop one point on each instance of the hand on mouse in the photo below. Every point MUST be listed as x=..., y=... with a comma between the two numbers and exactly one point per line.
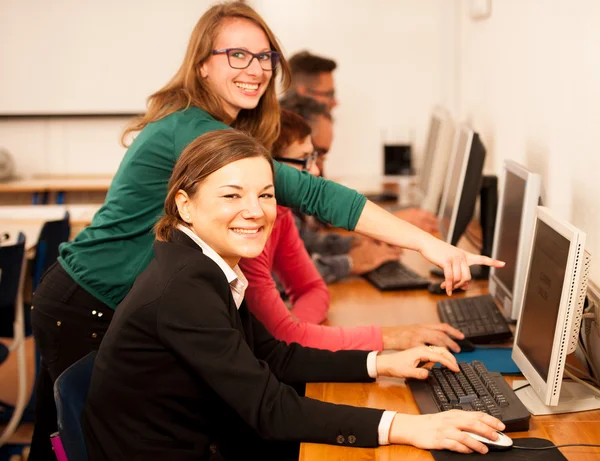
x=444, y=431
x=406, y=336
x=405, y=364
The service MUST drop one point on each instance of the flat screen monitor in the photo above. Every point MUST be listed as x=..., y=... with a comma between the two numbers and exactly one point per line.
x=435, y=162
x=517, y=207
x=555, y=290
x=462, y=185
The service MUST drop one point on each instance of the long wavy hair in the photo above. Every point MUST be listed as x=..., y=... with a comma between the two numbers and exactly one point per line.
x=188, y=88
x=201, y=158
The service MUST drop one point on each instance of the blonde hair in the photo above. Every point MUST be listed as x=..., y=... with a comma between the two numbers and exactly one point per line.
x=188, y=88
x=201, y=158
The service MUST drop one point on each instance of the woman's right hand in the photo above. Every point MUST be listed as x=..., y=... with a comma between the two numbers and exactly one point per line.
x=444, y=431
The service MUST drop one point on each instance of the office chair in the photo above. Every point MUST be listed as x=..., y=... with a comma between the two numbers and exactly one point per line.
x=12, y=275
x=70, y=393
x=53, y=233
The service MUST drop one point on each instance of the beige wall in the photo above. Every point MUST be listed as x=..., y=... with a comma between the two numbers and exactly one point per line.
x=529, y=82
x=395, y=59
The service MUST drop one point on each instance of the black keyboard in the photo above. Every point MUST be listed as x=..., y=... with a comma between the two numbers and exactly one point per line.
x=394, y=275
x=478, y=318
x=474, y=388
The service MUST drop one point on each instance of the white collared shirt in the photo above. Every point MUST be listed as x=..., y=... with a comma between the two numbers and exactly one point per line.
x=238, y=284
x=236, y=279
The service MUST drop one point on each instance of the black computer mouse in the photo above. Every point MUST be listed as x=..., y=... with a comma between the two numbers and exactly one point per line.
x=435, y=288
x=465, y=345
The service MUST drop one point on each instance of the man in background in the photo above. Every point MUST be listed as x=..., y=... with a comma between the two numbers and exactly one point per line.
x=312, y=76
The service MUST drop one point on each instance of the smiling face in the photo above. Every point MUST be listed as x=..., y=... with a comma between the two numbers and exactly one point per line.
x=237, y=88
x=233, y=209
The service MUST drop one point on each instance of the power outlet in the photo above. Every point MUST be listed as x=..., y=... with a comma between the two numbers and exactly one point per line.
x=591, y=328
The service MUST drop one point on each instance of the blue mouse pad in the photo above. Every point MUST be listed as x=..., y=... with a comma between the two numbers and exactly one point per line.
x=514, y=454
x=496, y=359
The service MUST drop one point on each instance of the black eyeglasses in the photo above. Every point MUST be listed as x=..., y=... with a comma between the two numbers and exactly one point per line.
x=306, y=163
x=325, y=94
x=238, y=58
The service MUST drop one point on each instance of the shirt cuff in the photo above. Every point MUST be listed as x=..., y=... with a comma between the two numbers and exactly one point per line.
x=385, y=425
x=372, y=364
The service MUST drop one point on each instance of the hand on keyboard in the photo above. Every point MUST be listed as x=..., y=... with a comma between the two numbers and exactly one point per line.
x=444, y=431
x=405, y=364
x=406, y=336
x=369, y=254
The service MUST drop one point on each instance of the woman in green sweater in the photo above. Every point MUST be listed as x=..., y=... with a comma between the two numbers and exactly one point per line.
x=227, y=80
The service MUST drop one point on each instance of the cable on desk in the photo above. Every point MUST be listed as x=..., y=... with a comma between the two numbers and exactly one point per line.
x=593, y=445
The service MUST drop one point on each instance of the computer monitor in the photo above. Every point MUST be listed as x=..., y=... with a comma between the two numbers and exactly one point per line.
x=435, y=162
x=548, y=326
x=462, y=185
x=517, y=209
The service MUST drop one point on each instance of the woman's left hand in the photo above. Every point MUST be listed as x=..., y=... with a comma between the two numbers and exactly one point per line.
x=454, y=261
x=405, y=364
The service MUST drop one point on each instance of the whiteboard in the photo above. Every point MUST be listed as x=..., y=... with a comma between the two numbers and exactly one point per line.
x=88, y=57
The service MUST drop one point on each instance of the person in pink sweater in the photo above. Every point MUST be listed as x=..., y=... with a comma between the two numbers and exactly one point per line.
x=285, y=256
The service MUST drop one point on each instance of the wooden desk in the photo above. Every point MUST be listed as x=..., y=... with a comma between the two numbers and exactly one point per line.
x=355, y=302
x=48, y=189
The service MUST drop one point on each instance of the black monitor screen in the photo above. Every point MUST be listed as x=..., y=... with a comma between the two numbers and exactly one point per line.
x=432, y=141
x=453, y=184
x=542, y=296
x=510, y=226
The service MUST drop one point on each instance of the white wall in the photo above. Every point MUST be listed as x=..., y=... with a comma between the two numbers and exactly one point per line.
x=529, y=82
x=395, y=63
x=393, y=67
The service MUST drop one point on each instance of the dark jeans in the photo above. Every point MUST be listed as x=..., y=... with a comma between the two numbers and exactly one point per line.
x=67, y=323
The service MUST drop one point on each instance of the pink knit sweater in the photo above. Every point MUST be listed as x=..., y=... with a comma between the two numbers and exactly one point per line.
x=286, y=257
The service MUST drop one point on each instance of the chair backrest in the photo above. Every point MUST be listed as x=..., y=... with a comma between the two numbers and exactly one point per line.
x=11, y=265
x=53, y=233
x=70, y=393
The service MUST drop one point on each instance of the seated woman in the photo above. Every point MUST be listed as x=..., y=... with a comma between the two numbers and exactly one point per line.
x=185, y=372
x=286, y=257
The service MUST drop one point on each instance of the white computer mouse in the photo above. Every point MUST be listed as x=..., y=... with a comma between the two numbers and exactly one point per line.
x=504, y=442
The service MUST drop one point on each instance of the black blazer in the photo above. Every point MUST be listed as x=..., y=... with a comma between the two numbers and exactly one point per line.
x=183, y=375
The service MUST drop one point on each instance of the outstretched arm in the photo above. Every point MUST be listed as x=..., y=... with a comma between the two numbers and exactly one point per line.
x=350, y=210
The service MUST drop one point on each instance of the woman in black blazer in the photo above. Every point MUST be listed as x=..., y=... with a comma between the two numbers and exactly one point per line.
x=185, y=372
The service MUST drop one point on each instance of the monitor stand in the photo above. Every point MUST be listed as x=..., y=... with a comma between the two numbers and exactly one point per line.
x=574, y=397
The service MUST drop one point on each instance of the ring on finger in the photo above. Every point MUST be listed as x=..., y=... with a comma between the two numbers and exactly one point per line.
x=431, y=347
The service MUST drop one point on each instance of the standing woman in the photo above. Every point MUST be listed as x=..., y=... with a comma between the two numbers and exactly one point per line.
x=226, y=81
